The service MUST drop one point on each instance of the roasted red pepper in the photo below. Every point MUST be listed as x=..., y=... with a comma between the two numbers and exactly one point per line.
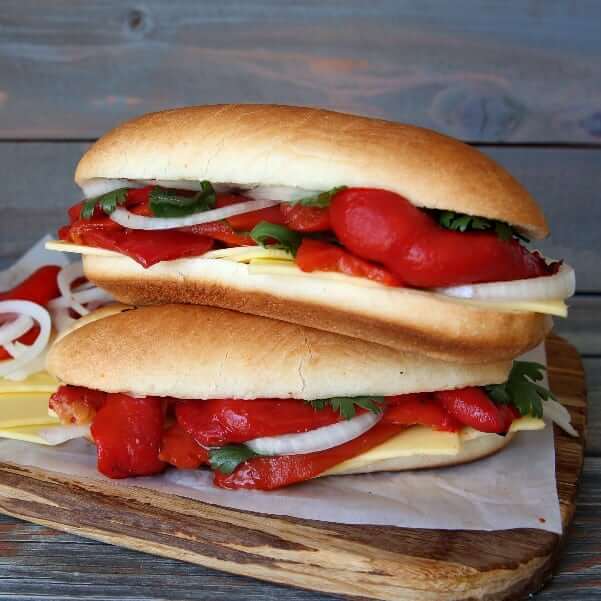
x=268, y=473
x=149, y=247
x=382, y=226
x=218, y=422
x=179, y=449
x=128, y=432
x=305, y=219
x=76, y=404
x=40, y=287
x=472, y=407
x=419, y=409
x=315, y=255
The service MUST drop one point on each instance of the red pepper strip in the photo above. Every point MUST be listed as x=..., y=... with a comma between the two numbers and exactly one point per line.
x=40, y=287
x=305, y=219
x=220, y=230
x=179, y=449
x=27, y=338
x=382, y=226
x=76, y=404
x=472, y=407
x=246, y=221
x=418, y=409
x=218, y=422
x=127, y=432
x=149, y=247
x=268, y=473
x=315, y=255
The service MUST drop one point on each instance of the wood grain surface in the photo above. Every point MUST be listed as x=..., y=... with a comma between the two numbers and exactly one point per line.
x=357, y=561
x=489, y=70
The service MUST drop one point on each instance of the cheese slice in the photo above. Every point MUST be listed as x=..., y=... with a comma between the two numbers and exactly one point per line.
x=24, y=409
x=420, y=440
x=29, y=433
x=41, y=381
x=264, y=261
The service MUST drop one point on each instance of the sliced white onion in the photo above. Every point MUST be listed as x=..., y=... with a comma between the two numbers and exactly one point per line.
x=139, y=222
x=315, y=440
x=28, y=353
x=61, y=319
x=558, y=286
x=88, y=295
x=58, y=434
x=557, y=413
x=99, y=185
x=66, y=276
x=281, y=193
x=15, y=329
x=34, y=366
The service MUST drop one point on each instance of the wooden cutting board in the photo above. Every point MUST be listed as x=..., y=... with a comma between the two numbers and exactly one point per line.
x=354, y=561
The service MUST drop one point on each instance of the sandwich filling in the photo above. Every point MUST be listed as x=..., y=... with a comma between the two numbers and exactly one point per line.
x=367, y=233
x=271, y=443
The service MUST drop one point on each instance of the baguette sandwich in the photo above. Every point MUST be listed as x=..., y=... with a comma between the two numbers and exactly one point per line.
x=380, y=231
x=266, y=404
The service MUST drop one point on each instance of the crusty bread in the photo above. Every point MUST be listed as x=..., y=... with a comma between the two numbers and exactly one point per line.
x=313, y=149
x=399, y=318
x=471, y=450
x=188, y=351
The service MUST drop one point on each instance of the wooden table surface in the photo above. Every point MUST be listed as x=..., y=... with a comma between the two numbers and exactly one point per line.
x=520, y=80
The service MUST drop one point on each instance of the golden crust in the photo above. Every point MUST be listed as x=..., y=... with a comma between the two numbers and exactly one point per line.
x=190, y=351
x=397, y=318
x=313, y=149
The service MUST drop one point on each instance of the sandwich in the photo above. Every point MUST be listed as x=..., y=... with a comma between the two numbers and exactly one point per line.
x=380, y=231
x=266, y=404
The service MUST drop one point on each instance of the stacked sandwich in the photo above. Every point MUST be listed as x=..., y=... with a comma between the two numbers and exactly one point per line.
x=305, y=293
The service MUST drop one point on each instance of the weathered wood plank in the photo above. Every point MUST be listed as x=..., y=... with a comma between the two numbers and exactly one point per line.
x=592, y=368
x=38, y=187
x=39, y=563
x=480, y=70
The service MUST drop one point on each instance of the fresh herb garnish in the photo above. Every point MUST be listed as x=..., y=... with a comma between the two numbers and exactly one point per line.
x=321, y=200
x=346, y=406
x=521, y=389
x=226, y=459
x=107, y=202
x=462, y=223
x=167, y=202
x=264, y=232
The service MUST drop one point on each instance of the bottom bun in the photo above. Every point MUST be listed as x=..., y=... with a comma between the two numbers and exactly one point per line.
x=471, y=450
x=400, y=318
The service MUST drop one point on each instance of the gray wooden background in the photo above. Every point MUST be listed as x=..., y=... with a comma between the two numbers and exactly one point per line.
x=520, y=80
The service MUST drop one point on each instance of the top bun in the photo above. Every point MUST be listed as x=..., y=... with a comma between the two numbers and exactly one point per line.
x=196, y=352
x=312, y=149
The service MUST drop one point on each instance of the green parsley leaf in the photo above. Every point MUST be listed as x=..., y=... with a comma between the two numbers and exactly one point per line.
x=167, y=202
x=286, y=239
x=522, y=390
x=321, y=200
x=107, y=202
x=226, y=459
x=346, y=406
x=462, y=223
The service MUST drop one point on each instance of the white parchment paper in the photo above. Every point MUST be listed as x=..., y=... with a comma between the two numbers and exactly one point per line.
x=512, y=489
x=36, y=256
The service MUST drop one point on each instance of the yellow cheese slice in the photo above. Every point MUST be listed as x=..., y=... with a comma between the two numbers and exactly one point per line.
x=27, y=433
x=278, y=262
x=420, y=440
x=41, y=381
x=24, y=409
